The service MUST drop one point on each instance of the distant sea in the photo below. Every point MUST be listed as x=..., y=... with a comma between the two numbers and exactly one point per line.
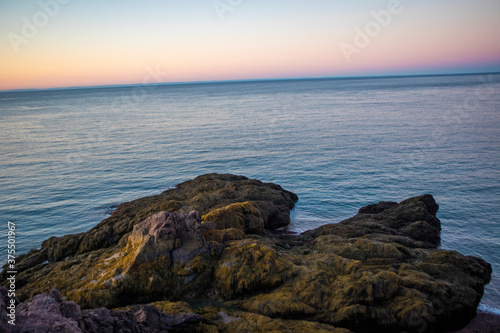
x=69, y=157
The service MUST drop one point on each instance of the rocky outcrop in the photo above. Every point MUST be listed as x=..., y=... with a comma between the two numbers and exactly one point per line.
x=245, y=216
x=411, y=223
x=46, y=313
x=167, y=253
x=176, y=237
x=52, y=313
x=89, y=267
x=208, y=242
x=203, y=194
x=250, y=266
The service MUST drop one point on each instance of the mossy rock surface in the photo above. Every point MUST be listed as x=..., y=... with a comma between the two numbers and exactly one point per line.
x=245, y=216
x=250, y=266
x=76, y=264
x=211, y=240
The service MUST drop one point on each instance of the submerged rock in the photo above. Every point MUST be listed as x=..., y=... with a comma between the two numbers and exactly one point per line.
x=209, y=241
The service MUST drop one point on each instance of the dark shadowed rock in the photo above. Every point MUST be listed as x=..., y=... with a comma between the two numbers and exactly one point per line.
x=484, y=322
x=413, y=221
x=48, y=313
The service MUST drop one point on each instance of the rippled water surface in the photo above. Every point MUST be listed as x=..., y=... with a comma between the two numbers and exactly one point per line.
x=70, y=156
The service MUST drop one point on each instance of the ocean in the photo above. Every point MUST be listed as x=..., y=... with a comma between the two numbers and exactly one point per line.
x=70, y=156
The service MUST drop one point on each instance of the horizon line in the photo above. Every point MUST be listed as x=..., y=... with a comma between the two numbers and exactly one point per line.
x=241, y=81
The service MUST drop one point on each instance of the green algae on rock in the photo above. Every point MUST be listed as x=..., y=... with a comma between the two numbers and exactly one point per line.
x=210, y=238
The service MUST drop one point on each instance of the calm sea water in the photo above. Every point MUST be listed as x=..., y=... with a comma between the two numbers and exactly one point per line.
x=70, y=156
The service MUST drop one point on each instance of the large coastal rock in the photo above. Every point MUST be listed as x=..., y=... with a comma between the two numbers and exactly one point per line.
x=379, y=271
x=90, y=267
x=210, y=242
x=166, y=255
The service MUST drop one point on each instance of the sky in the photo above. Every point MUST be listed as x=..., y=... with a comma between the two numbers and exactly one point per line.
x=66, y=43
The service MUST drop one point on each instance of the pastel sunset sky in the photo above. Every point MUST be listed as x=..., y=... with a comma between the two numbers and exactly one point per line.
x=56, y=43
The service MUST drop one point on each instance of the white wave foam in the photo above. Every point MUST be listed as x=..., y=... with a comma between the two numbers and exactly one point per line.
x=486, y=308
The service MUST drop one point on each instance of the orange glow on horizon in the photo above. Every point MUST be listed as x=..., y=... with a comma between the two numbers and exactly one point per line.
x=103, y=49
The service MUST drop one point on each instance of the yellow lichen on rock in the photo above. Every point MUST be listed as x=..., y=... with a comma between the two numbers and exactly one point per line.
x=245, y=216
x=279, y=303
x=380, y=270
x=254, y=323
x=247, y=266
x=172, y=308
